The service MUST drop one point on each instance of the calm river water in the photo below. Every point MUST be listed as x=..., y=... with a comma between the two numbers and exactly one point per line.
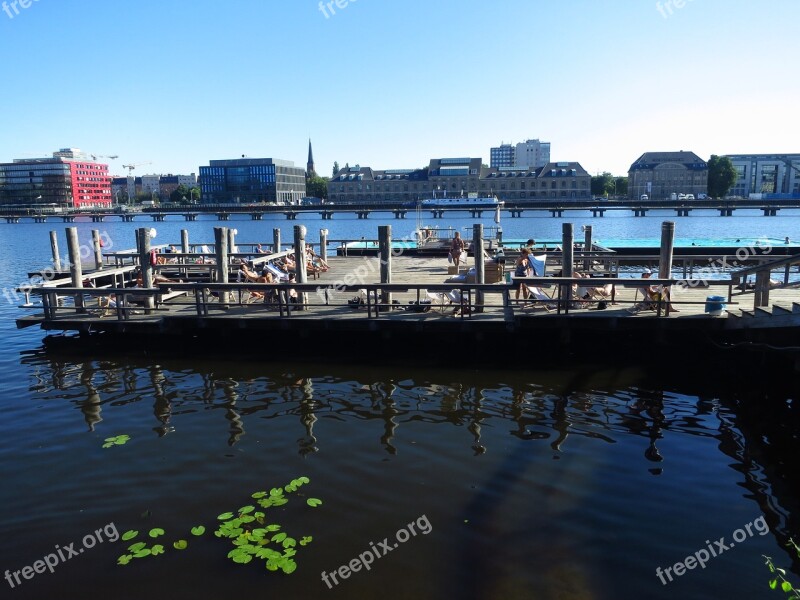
x=555, y=481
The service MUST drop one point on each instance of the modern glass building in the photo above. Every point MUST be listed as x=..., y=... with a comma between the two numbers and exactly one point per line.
x=54, y=182
x=252, y=181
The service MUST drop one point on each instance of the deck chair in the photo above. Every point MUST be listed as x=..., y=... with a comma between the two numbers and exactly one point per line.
x=538, y=265
x=276, y=272
x=537, y=298
x=439, y=299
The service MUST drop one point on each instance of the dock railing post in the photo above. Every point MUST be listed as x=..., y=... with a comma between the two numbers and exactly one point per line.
x=480, y=271
x=98, y=251
x=221, y=252
x=75, y=268
x=54, y=249
x=568, y=259
x=323, y=244
x=276, y=237
x=300, y=269
x=587, y=246
x=143, y=245
x=385, y=245
x=184, y=242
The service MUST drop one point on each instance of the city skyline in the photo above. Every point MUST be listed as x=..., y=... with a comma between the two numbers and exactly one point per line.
x=391, y=85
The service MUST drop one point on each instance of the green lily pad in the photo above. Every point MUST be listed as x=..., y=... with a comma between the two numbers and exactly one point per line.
x=313, y=502
x=306, y=540
x=258, y=495
x=225, y=516
x=142, y=553
x=199, y=530
x=246, y=510
x=289, y=566
x=180, y=545
x=129, y=535
x=125, y=559
x=137, y=547
x=156, y=532
x=279, y=537
x=157, y=549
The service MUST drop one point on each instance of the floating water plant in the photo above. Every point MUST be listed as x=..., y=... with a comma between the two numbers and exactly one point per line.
x=247, y=529
x=119, y=440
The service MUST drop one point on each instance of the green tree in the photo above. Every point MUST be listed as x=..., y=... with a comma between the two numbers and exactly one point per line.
x=721, y=176
x=179, y=194
x=603, y=184
x=317, y=187
x=335, y=168
x=622, y=186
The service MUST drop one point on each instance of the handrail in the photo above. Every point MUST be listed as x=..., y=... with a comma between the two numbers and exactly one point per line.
x=782, y=262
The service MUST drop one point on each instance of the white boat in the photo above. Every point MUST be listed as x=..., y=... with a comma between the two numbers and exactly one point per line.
x=467, y=202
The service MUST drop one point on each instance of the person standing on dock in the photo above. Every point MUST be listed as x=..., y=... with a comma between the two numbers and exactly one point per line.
x=456, y=249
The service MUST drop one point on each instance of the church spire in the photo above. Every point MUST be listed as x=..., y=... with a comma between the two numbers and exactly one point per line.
x=310, y=166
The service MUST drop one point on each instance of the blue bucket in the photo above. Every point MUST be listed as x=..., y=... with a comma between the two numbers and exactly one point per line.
x=715, y=305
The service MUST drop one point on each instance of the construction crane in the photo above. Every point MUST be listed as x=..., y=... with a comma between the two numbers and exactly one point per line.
x=96, y=156
x=132, y=167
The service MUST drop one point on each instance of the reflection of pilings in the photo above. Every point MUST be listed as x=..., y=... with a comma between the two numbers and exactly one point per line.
x=388, y=412
x=561, y=422
x=162, y=407
x=91, y=407
x=237, y=425
x=307, y=444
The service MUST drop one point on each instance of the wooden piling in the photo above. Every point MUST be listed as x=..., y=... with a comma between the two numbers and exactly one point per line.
x=75, y=268
x=568, y=257
x=323, y=244
x=185, y=241
x=667, y=246
x=587, y=246
x=221, y=253
x=143, y=245
x=276, y=236
x=385, y=254
x=232, y=241
x=54, y=249
x=98, y=251
x=480, y=271
x=301, y=273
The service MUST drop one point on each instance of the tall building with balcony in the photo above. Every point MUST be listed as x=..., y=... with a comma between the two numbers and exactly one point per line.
x=661, y=174
x=766, y=174
x=58, y=181
x=252, y=181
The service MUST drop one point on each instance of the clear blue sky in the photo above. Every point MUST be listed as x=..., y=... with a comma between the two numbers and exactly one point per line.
x=392, y=84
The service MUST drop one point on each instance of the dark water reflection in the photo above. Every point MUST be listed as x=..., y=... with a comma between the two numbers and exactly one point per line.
x=572, y=482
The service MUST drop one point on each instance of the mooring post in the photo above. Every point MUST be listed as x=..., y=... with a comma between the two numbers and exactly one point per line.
x=54, y=249
x=143, y=245
x=568, y=258
x=75, y=268
x=480, y=271
x=323, y=244
x=184, y=242
x=301, y=274
x=276, y=236
x=385, y=253
x=667, y=245
x=587, y=246
x=232, y=241
x=98, y=251
x=221, y=252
